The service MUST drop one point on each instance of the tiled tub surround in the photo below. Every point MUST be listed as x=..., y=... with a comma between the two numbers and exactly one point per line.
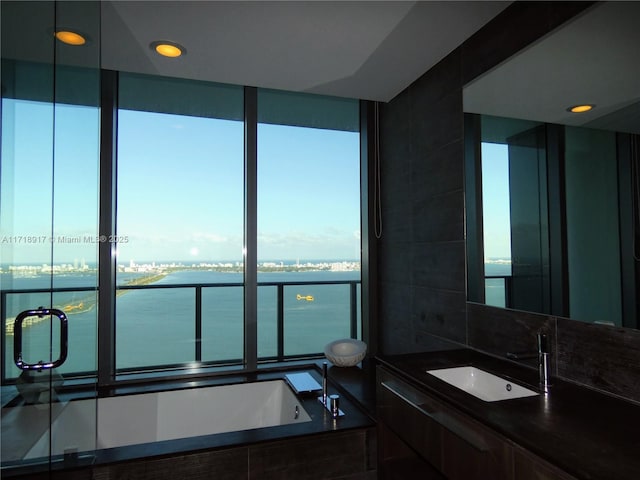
x=272, y=445
x=586, y=434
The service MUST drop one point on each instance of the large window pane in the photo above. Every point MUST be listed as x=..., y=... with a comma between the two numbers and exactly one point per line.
x=308, y=219
x=75, y=223
x=222, y=323
x=180, y=220
x=314, y=316
x=156, y=327
x=48, y=226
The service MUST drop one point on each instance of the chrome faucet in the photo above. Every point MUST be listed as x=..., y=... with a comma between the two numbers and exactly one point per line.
x=542, y=355
x=330, y=402
x=543, y=361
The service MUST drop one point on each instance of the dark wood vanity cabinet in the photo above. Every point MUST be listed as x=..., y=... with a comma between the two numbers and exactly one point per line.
x=529, y=467
x=422, y=435
x=452, y=445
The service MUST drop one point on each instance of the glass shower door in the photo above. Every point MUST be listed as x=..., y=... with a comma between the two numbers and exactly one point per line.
x=48, y=228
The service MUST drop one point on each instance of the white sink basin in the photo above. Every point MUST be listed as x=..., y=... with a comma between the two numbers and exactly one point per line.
x=484, y=385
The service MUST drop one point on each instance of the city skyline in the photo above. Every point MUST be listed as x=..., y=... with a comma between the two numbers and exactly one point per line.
x=82, y=264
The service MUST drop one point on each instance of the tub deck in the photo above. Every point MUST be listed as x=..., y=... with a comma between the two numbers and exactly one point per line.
x=170, y=443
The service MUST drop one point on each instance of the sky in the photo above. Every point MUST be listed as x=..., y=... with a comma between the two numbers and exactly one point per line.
x=31, y=186
x=180, y=188
x=495, y=201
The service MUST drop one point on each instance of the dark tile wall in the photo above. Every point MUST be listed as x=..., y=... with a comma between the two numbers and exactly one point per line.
x=602, y=357
x=598, y=356
x=422, y=294
x=421, y=252
x=498, y=331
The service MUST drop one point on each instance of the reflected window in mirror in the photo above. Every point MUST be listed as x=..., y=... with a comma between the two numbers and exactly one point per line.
x=550, y=223
x=496, y=223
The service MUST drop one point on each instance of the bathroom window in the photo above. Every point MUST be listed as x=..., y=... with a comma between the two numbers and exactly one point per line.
x=308, y=222
x=183, y=294
x=180, y=203
x=181, y=209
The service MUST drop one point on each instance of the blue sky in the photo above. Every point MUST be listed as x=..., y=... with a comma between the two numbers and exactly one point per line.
x=495, y=200
x=180, y=188
x=31, y=186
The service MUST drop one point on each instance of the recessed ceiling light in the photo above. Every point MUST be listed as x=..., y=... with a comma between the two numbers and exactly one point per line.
x=70, y=38
x=168, y=49
x=581, y=108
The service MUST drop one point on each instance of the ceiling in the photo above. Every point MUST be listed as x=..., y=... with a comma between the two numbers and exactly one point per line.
x=359, y=49
x=592, y=59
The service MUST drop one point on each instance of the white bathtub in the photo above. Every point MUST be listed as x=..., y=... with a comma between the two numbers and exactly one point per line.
x=152, y=417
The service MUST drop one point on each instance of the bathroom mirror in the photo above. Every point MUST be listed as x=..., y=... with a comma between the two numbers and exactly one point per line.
x=552, y=195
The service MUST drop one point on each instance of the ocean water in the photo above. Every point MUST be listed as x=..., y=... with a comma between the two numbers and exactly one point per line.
x=156, y=326
x=494, y=287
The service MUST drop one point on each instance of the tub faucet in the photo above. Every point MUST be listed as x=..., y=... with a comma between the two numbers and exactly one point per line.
x=543, y=361
x=330, y=402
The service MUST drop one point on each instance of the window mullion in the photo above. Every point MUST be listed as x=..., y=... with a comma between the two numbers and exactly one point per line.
x=251, y=228
x=107, y=226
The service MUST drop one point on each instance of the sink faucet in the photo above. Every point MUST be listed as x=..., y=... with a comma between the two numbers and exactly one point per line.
x=543, y=361
x=542, y=355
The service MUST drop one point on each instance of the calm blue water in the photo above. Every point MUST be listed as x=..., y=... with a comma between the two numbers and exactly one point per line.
x=494, y=287
x=157, y=326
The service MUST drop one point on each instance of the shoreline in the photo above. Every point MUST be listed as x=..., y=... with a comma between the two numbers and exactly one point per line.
x=80, y=307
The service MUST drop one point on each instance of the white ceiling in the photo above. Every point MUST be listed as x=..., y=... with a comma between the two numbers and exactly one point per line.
x=593, y=59
x=360, y=49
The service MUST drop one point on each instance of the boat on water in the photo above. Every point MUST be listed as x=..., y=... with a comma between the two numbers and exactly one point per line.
x=308, y=298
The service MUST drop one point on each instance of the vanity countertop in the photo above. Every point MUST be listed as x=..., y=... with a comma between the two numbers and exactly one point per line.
x=586, y=433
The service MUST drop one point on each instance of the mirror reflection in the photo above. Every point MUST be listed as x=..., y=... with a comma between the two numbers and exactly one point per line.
x=552, y=195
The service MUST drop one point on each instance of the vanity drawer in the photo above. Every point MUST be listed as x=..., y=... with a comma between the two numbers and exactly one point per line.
x=404, y=409
x=529, y=467
x=471, y=451
x=455, y=445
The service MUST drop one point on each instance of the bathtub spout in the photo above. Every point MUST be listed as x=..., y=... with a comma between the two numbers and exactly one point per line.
x=331, y=402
